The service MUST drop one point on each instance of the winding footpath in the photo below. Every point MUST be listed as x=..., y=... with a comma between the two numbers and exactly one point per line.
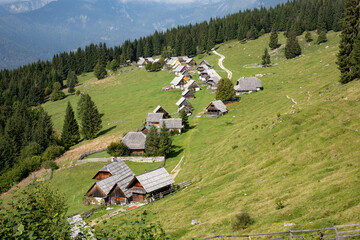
x=222, y=57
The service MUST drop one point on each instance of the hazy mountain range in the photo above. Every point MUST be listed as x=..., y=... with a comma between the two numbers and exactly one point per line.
x=37, y=29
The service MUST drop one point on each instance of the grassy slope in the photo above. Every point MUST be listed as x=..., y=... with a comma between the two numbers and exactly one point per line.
x=247, y=159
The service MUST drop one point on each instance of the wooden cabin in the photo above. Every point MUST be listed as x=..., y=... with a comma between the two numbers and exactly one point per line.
x=173, y=124
x=151, y=182
x=119, y=194
x=135, y=141
x=247, y=85
x=193, y=86
x=191, y=62
x=216, y=108
x=160, y=109
x=188, y=94
x=204, y=62
x=153, y=119
x=117, y=167
x=183, y=102
x=179, y=82
x=186, y=109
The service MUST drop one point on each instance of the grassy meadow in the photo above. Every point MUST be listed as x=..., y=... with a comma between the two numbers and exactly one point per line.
x=262, y=152
x=266, y=149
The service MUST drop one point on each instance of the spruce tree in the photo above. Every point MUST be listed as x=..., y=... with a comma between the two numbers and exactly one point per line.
x=185, y=119
x=355, y=59
x=72, y=80
x=225, y=90
x=80, y=106
x=91, y=120
x=308, y=37
x=322, y=37
x=152, y=142
x=266, y=59
x=99, y=71
x=70, y=134
x=273, y=39
x=350, y=24
x=165, y=142
x=292, y=47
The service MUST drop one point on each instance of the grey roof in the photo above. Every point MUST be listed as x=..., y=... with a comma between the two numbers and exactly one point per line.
x=154, y=117
x=117, y=167
x=181, y=100
x=150, y=59
x=192, y=82
x=248, y=84
x=108, y=183
x=215, y=79
x=141, y=61
x=205, y=62
x=134, y=140
x=155, y=179
x=176, y=80
x=123, y=185
x=179, y=68
x=185, y=108
x=188, y=60
x=220, y=105
x=158, y=108
x=185, y=92
x=172, y=123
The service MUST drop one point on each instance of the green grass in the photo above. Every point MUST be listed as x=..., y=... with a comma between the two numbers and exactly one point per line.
x=258, y=153
x=103, y=154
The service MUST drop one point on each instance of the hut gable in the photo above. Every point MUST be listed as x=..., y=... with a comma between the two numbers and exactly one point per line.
x=204, y=62
x=115, y=168
x=101, y=188
x=178, y=82
x=160, y=109
x=135, y=141
x=186, y=109
x=192, y=86
x=183, y=101
x=120, y=190
x=248, y=84
x=216, y=108
x=152, y=181
x=188, y=94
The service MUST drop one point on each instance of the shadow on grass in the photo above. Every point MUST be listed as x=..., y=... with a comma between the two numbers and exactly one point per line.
x=177, y=150
x=103, y=132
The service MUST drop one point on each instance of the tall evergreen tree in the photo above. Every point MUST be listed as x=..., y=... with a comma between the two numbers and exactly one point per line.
x=322, y=37
x=292, y=47
x=70, y=134
x=308, y=36
x=225, y=90
x=99, y=71
x=273, y=39
x=165, y=142
x=72, y=80
x=91, y=119
x=350, y=31
x=266, y=59
x=152, y=142
x=355, y=59
x=185, y=119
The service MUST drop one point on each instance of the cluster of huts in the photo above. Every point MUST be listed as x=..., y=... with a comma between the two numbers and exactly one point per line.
x=208, y=74
x=117, y=184
x=143, y=61
x=135, y=141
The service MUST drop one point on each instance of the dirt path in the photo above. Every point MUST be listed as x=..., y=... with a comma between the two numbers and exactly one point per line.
x=293, y=106
x=176, y=169
x=222, y=57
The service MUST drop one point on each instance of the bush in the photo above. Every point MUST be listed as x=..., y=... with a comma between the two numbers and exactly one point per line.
x=280, y=204
x=57, y=95
x=31, y=149
x=117, y=149
x=242, y=221
x=53, y=152
x=50, y=164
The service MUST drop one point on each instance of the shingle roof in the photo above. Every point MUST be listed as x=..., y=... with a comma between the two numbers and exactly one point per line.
x=185, y=92
x=185, y=108
x=155, y=179
x=215, y=79
x=179, y=68
x=181, y=100
x=150, y=59
x=117, y=167
x=134, y=140
x=176, y=80
x=108, y=183
x=141, y=61
x=158, y=108
x=123, y=185
x=172, y=123
x=191, y=82
x=220, y=105
x=188, y=60
x=154, y=117
x=205, y=62
x=248, y=84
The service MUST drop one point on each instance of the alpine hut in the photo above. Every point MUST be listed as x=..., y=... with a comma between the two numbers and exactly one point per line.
x=173, y=124
x=247, y=85
x=192, y=86
x=135, y=141
x=151, y=182
x=216, y=108
x=188, y=94
x=183, y=102
x=118, y=167
x=160, y=109
x=154, y=119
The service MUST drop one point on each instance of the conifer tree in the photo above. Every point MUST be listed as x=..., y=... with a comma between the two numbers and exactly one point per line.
x=99, y=71
x=225, y=90
x=155, y=67
x=292, y=47
x=273, y=39
x=80, y=106
x=185, y=119
x=72, y=80
x=152, y=142
x=266, y=59
x=350, y=31
x=308, y=37
x=355, y=59
x=70, y=134
x=91, y=120
x=322, y=37
x=165, y=142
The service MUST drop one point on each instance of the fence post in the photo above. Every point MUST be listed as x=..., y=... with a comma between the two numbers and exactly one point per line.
x=337, y=234
x=291, y=236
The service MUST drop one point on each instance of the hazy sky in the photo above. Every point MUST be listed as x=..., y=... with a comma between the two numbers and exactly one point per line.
x=167, y=1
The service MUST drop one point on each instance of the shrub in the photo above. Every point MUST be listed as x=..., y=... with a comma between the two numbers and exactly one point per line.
x=117, y=149
x=280, y=204
x=31, y=149
x=50, y=164
x=242, y=221
x=57, y=95
x=53, y=152
x=77, y=93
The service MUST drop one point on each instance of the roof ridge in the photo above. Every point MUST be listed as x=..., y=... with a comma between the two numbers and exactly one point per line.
x=149, y=171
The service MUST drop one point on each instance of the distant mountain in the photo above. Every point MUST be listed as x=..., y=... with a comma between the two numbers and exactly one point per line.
x=37, y=29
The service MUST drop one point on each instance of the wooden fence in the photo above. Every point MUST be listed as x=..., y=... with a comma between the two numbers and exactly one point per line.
x=175, y=188
x=338, y=232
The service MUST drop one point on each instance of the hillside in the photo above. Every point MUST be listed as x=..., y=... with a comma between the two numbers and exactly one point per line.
x=260, y=152
x=266, y=148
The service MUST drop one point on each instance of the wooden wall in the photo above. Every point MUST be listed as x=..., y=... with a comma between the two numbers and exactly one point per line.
x=96, y=191
x=102, y=175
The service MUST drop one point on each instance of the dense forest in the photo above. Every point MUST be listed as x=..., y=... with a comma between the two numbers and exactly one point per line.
x=25, y=132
